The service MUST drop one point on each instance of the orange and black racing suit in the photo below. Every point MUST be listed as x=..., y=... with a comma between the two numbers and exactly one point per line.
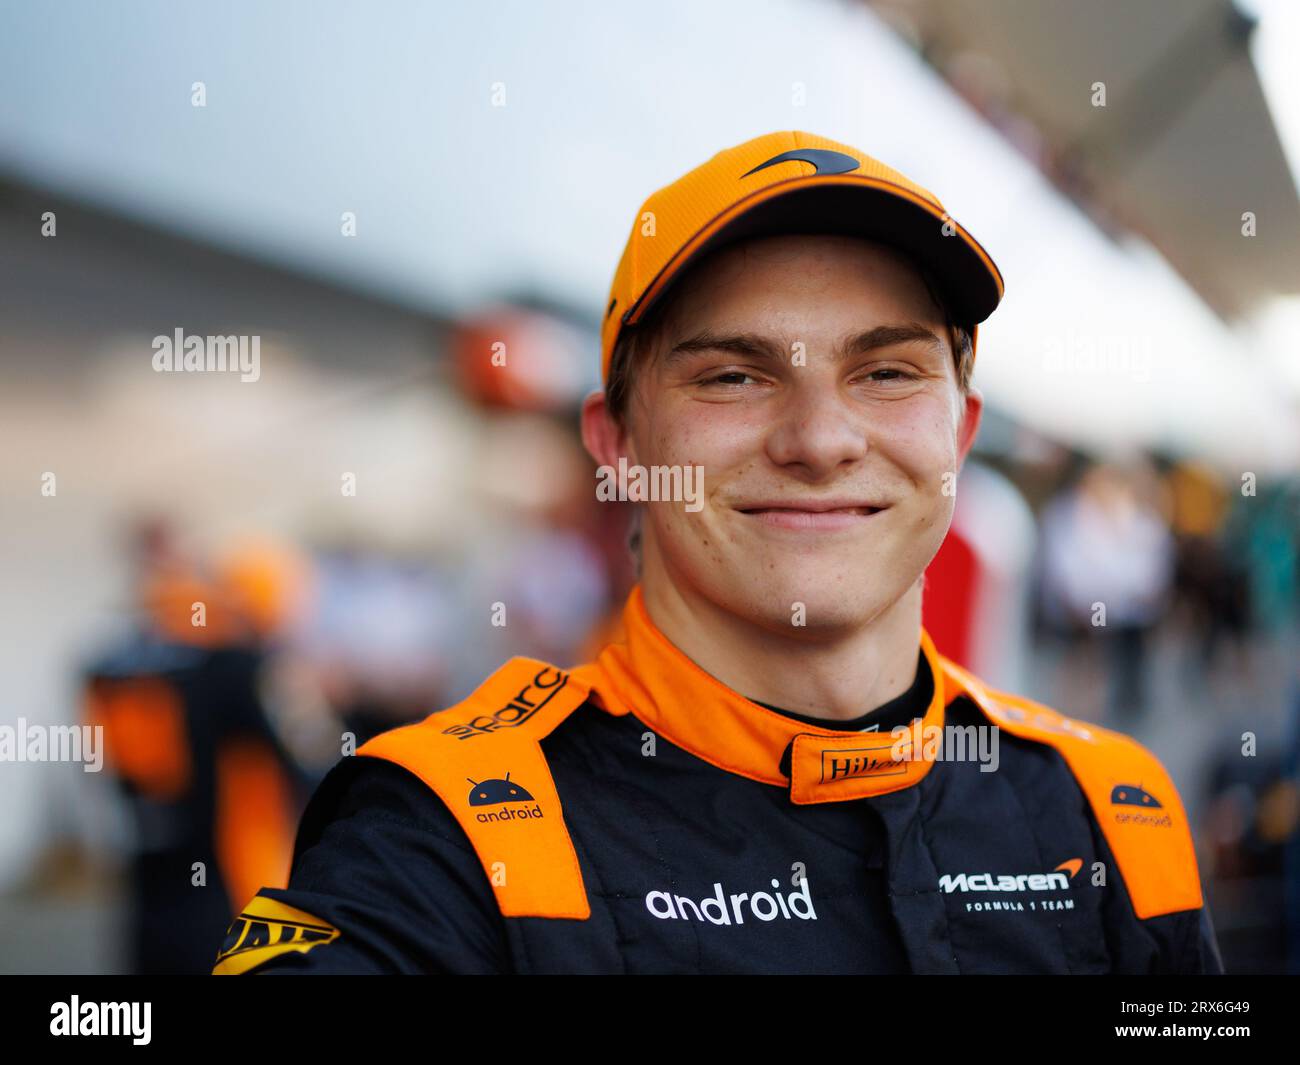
x=635, y=815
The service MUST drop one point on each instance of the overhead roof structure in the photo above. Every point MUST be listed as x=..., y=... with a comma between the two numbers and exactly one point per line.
x=1181, y=149
x=1099, y=342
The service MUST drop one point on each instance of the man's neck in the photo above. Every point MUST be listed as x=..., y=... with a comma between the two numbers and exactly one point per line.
x=839, y=677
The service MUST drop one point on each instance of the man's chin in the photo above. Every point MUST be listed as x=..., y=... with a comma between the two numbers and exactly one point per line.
x=807, y=602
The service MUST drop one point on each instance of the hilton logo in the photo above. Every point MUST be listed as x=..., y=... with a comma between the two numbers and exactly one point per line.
x=861, y=762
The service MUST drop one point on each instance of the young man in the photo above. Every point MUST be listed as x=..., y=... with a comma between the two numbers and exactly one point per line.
x=773, y=770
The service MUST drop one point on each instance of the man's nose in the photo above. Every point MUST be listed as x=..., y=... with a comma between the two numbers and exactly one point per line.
x=818, y=431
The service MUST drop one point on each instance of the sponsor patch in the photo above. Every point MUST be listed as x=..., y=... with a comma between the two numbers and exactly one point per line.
x=266, y=929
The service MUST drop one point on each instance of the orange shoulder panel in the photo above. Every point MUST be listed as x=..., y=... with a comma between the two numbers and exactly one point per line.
x=1131, y=794
x=483, y=757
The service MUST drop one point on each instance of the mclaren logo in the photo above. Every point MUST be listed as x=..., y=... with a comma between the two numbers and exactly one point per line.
x=266, y=929
x=823, y=161
x=1013, y=884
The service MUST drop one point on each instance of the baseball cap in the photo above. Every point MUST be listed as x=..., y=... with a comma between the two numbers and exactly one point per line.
x=793, y=182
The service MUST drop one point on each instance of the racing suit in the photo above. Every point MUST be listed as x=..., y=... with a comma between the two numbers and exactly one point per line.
x=635, y=815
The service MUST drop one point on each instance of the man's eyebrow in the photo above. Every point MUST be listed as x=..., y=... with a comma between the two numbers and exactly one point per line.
x=883, y=336
x=757, y=345
x=753, y=345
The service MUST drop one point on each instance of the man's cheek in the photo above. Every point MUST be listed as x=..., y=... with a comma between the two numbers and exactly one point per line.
x=683, y=462
x=657, y=445
x=683, y=534
x=929, y=459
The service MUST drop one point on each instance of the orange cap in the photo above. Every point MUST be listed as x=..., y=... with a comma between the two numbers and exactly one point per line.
x=793, y=182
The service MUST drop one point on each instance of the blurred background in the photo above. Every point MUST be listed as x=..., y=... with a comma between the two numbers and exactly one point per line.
x=384, y=194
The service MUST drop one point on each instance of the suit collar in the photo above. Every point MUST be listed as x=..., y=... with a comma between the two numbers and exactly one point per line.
x=644, y=674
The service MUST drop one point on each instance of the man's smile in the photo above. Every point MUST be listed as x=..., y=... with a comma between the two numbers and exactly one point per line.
x=813, y=515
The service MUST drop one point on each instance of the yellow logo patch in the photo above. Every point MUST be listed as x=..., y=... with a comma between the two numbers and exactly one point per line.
x=265, y=929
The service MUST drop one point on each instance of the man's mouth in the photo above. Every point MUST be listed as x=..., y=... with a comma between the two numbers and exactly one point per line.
x=813, y=515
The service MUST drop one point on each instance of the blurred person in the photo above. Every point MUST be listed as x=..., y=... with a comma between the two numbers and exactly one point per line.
x=548, y=553
x=212, y=794
x=381, y=644
x=1262, y=531
x=1252, y=822
x=546, y=567
x=747, y=781
x=1291, y=848
x=1209, y=578
x=1108, y=567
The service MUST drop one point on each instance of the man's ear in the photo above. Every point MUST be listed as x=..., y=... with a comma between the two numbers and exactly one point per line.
x=968, y=426
x=604, y=439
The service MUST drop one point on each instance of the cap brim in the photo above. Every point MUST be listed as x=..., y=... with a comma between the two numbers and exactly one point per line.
x=970, y=282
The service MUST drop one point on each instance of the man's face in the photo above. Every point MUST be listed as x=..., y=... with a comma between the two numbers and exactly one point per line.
x=812, y=378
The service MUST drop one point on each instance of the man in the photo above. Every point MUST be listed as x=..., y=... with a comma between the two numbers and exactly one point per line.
x=202, y=771
x=748, y=780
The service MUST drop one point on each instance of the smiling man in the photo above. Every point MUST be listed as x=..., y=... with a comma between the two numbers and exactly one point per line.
x=773, y=769
x=813, y=379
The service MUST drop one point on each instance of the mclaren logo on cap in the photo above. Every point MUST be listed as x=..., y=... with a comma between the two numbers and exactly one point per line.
x=823, y=161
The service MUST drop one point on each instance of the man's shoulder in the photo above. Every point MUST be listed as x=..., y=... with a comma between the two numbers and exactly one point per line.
x=374, y=789
x=482, y=759
x=417, y=772
x=524, y=699
x=1131, y=794
x=1093, y=748
x=383, y=880
x=1025, y=717
x=502, y=721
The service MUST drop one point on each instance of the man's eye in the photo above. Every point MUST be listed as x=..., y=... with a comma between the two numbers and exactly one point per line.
x=891, y=374
x=727, y=377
